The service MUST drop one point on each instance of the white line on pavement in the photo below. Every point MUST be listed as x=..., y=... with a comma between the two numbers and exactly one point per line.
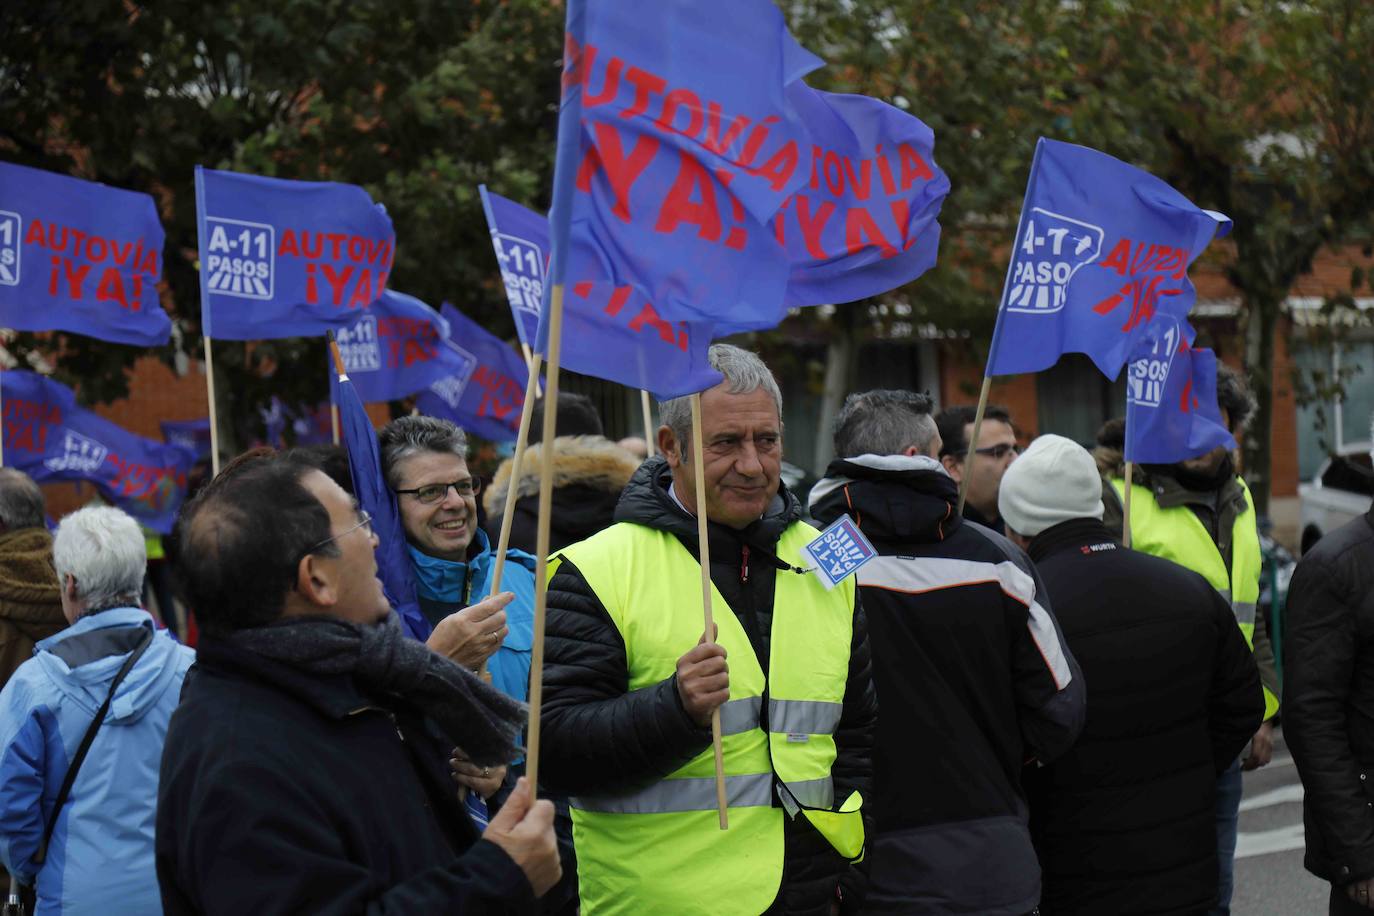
x=1263, y=842
x=1281, y=796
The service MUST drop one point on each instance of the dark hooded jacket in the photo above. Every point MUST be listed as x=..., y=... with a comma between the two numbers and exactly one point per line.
x=1329, y=699
x=598, y=737
x=588, y=474
x=1125, y=822
x=975, y=681
x=288, y=792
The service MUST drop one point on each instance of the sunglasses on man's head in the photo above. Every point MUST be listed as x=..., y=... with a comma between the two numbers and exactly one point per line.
x=434, y=492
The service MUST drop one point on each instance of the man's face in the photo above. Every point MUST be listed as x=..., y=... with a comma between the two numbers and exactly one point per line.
x=996, y=452
x=742, y=457
x=445, y=528
x=352, y=576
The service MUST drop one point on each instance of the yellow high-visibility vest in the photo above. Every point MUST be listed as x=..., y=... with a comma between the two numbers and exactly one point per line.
x=660, y=848
x=1177, y=534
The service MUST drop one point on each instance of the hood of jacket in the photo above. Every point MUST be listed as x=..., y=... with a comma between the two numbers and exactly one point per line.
x=646, y=501
x=594, y=462
x=83, y=659
x=895, y=499
x=29, y=593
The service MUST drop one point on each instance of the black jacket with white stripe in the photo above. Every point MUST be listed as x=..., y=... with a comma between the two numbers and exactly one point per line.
x=975, y=681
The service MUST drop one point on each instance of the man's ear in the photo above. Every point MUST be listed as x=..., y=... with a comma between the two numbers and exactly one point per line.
x=315, y=581
x=668, y=446
x=954, y=467
x=69, y=588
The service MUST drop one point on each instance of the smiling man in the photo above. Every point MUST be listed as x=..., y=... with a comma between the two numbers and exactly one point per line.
x=631, y=682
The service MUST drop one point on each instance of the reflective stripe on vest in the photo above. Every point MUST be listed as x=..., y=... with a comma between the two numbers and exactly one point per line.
x=638, y=849
x=1177, y=534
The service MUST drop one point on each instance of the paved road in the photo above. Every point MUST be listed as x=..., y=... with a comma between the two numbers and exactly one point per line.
x=1270, y=879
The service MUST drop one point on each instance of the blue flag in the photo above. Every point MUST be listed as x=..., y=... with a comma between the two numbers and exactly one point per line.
x=48, y=436
x=396, y=348
x=309, y=424
x=1101, y=248
x=192, y=435
x=376, y=499
x=609, y=332
x=487, y=391
x=865, y=220
x=287, y=258
x=521, y=240
x=1171, y=398
x=79, y=256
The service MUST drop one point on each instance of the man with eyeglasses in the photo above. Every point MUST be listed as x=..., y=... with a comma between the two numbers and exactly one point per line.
x=973, y=674
x=631, y=682
x=306, y=767
x=996, y=451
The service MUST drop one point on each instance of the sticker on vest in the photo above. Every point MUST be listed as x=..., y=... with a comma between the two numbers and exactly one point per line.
x=839, y=552
x=795, y=738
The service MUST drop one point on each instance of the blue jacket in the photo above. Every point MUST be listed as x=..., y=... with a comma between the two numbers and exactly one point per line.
x=446, y=586
x=101, y=854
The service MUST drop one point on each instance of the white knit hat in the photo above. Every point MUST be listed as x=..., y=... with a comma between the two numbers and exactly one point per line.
x=1053, y=481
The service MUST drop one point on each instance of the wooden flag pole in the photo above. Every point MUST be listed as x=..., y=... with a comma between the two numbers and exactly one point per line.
x=2, y=438
x=214, y=413
x=973, y=441
x=648, y=421
x=530, y=360
x=517, y=463
x=541, y=568
x=704, y=548
x=1126, y=509
x=334, y=419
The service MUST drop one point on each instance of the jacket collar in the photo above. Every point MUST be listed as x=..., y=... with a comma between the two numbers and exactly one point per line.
x=449, y=580
x=895, y=499
x=1084, y=534
x=335, y=696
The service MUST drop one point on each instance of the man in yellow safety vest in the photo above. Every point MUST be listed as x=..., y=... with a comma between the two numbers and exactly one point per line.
x=1199, y=514
x=631, y=682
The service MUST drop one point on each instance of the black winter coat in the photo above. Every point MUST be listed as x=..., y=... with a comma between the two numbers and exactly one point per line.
x=285, y=792
x=1125, y=822
x=974, y=678
x=597, y=737
x=1328, y=718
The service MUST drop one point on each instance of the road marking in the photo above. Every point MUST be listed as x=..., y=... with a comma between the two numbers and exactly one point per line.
x=1283, y=795
x=1264, y=842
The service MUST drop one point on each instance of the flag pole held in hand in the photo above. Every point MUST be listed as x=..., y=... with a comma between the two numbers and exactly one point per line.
x=973, y=441
x=516, y=464
x=705, y=552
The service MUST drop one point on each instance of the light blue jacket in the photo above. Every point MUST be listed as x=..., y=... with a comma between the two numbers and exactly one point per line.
x=452, y=586
x=100, y=858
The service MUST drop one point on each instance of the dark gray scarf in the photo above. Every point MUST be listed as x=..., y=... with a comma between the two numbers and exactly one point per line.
x=475, y=716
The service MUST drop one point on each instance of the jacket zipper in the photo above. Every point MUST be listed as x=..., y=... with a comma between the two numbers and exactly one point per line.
x=744, y=563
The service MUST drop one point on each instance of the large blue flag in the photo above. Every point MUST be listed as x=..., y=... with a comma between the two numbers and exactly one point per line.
x=396, y=348
x=48, y=436
x=1102, y=247
x=521, y=240
x=376, y=499
x=865, y=220
x=287, y=258
x=79, y=256
x=487, y=391
x=192, y=435
x=611, y=332
x=1171, y=397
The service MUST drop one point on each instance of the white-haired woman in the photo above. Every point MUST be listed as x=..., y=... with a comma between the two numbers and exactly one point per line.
x=92, y=850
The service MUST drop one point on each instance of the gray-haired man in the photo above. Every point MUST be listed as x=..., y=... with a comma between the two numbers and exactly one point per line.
x=631, y=682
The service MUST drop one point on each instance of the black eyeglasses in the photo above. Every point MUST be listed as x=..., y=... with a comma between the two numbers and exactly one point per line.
x=433, y=492
x=364, y=522
x=998, y=452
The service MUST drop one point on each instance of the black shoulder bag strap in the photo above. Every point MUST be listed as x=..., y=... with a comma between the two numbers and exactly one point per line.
x=41, y=856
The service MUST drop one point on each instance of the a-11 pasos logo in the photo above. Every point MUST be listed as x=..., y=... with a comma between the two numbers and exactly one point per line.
x=359, y=346
x=79, y=453
x=11, y=231
x=240, y=258
x=451, y=388
x=1051, y=249
x=1147, y=375
x=522, y=271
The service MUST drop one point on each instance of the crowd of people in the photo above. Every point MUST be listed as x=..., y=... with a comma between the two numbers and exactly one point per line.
x=1004, y=712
